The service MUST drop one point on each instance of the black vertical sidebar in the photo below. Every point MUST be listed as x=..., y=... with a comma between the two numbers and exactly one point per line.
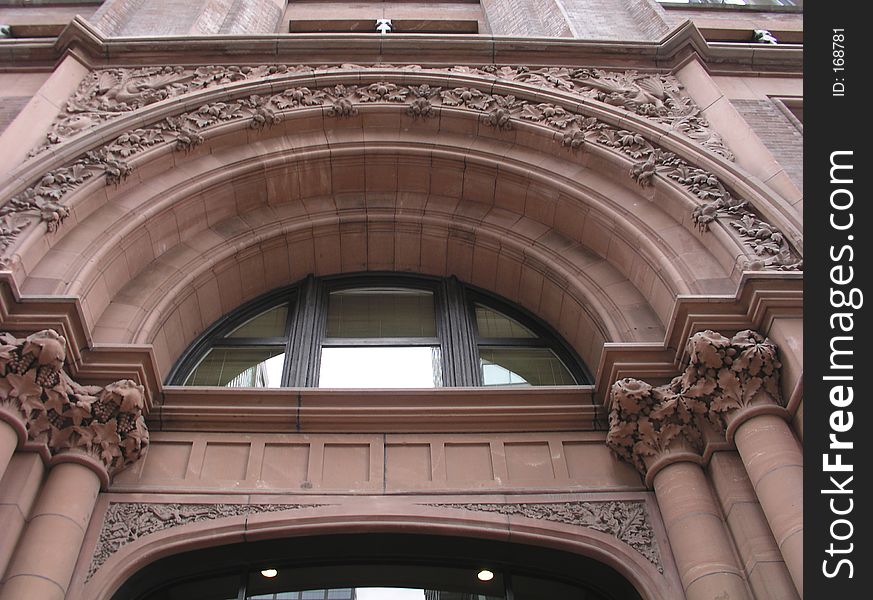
x=838, y=439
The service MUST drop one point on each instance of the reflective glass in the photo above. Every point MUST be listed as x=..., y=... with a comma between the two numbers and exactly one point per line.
x=270, y=323
x=380, y=313
x=257, y=367
x=380, y=367
x=493, y=324
x=522, y=366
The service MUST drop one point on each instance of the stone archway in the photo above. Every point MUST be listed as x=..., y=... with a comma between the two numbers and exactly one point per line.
x=626, y=549
x=577, y=203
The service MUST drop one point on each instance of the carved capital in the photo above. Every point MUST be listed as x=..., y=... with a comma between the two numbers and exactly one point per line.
x=648, y=423
x=105, y=424
x=726, y=380
x=730, y=377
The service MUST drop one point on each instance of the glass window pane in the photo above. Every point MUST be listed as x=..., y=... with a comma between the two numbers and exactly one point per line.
x=522, y=366
x=270, y=323
x=380, y=313
x=380, y=367
x=493, y=324
x=257, y=367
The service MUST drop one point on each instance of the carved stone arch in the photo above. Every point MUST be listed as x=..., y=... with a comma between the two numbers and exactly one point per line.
x=561, y=145
x=559, y=100
x=221, y=525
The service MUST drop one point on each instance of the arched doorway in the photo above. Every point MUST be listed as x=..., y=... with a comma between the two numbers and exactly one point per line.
x=385, y=565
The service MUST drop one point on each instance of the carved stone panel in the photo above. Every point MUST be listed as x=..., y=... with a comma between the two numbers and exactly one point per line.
x=127, y=522
x=625, y=520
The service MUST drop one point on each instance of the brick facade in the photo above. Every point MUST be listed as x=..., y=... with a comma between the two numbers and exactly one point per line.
x=777, y=132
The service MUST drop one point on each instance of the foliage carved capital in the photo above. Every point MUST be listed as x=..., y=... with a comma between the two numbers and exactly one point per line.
x=723, y=378
x=104, y=423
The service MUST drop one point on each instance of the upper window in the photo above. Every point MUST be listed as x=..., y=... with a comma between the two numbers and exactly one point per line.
x=382, y=331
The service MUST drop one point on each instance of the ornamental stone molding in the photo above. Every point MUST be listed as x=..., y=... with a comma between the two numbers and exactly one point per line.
x=626, y=520
x=127, y=522
x=109, y=95
x=102, y=425
x=725, y=380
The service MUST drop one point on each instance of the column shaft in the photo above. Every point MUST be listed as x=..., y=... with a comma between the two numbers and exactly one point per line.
x=43, y=563
x=704, y=556
x=760, y=556
x=8, y=443
x=774, y=461
x=18, y=490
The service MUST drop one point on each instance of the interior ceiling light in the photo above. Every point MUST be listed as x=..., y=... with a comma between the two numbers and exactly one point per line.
x=269, y=572
x=485, y=575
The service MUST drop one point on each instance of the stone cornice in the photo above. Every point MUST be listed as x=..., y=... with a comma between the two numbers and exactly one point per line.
x=101, y=427
x=83, y=39
x=760, y=299
x=726, y=381
x=87, y=362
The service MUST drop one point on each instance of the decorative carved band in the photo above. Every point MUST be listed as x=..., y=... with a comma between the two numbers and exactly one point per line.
x=104, y=423
x=625, y=520
x=108, y=94
x=126, y=522
x=723, y=376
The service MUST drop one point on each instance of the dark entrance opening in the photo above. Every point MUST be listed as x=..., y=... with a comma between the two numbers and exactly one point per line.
x=349, y=567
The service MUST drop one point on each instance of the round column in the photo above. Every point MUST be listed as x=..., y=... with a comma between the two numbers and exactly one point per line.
x=701, y=546
x=46, y=555
x=774, y=462
x=649, y=428
x=8, y=444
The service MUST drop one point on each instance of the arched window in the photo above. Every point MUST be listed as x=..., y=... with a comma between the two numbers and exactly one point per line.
x=378, y=331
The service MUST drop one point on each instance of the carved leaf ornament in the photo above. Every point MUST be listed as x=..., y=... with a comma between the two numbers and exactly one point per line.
x=625, y=520
x=723, y=375
x=108, y=94
x=105, y=423
x=126, y=522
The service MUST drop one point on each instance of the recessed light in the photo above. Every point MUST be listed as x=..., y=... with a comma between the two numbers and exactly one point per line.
x=485, y=575
x=269, y=572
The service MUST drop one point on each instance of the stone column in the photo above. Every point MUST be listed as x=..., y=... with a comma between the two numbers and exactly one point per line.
x=760, y=556
x=736, y=385
x=90, y=433
x=652, y=428
x=18, y=491
x=8, y=442
x=46, y=555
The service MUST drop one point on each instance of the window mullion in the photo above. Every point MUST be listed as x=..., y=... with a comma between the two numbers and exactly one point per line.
x=461, y=359
x=306, y=332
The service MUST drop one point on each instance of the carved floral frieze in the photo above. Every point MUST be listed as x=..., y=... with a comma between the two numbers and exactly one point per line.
x=626, y=520
x=723, y=375
x=654, y=96
x=105, y=423
x=109, y=93
x=127, y=522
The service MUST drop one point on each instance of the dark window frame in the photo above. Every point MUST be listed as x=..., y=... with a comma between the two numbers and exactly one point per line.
x=306, y=323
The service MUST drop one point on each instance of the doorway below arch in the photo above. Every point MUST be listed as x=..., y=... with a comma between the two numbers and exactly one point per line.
x=377, y=567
